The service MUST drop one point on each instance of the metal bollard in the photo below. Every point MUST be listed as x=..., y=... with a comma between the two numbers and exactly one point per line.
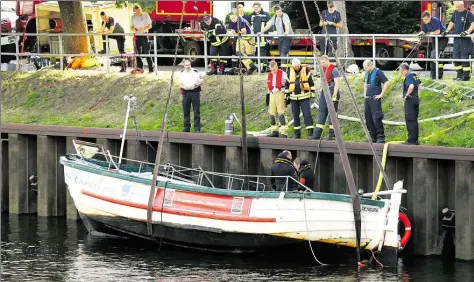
x=229, y=125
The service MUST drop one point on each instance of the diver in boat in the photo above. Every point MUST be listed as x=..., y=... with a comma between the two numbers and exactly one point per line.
x=283, y=167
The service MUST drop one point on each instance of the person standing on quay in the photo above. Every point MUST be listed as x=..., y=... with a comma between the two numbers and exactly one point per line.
x=191, y=81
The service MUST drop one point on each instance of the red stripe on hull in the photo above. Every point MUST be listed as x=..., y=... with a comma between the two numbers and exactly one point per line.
x=200, y=214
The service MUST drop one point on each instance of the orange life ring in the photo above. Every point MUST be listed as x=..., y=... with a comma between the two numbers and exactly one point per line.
x=406, y=236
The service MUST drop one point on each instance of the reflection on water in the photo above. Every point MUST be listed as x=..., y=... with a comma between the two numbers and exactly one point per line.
x=55, y=249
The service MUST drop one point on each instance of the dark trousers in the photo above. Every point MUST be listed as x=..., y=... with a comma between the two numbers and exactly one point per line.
x=323, y=114
x=442, y=43
x=192, y=98
x=412, y=108
x=305, y=106
x=461, y=50
x=284, y=45
x=373, y=118
x=263, y=53
x=120, y=43
x=143, y=47
x=326, y=47
x=221, y=50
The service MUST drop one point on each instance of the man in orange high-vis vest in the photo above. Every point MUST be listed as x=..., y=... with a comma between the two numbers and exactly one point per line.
x=333, y=79
x=276, y=106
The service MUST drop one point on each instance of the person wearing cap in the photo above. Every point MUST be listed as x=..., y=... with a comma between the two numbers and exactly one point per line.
x=258, y=19
x=111, y=28
x=333, y=79
x=141, y=24
x=462, y=22
x=375, y=86
x=276, y=81
x=299, y=87
x=245, y=45
x=330, y=22
x=213, y=29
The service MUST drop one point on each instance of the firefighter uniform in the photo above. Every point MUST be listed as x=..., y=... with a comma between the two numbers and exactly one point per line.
x=219, y=45
x=462, y=46
x=299, y=87
x=434, y=25
x=245, y=45
x=258, y=22
x=306, y=175
x=412, y=108
x=276, y=106
x=331, y=73
x=284, y=168
x=374, y=82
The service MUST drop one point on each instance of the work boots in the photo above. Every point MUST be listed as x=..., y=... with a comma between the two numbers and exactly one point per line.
x=221, y=68
x=459, y=75
x=310, y=132
x=297, y=134
x=252, y=69
x=331, y=136
x=273, y=134
x=124, y=66
x=213, y=70
x=465, y=76
x=317, y=134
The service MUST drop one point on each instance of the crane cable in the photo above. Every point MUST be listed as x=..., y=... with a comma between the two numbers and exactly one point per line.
x=152, y=194
x=354, y=103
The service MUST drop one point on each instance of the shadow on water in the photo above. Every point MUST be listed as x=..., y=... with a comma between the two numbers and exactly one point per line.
x=55, y=249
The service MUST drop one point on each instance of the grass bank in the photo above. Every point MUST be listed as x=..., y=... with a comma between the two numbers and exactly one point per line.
x=96, y=100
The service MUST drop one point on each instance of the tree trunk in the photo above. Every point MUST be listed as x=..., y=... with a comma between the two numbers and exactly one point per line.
x=74, y=21
x=344, y=43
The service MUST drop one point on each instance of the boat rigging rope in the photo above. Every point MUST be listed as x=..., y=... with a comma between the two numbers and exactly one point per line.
x=162, y=134
x=342, y=150
x=354, y=103
x=307, y=232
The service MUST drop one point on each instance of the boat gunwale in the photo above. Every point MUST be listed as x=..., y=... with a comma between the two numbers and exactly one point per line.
x=220, y=191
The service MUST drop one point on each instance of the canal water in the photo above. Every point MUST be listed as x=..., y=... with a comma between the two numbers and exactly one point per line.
x=56, y=249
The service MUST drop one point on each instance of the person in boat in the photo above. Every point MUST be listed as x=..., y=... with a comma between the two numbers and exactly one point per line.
x=299, y=87
x=333, y=78
x=305, y=174
x=111, y=27
x=212, y=27
x=283, y=167
x=375, y=86
x=412, y=103
x=190, y=81
x=245, y=44
x=276, y=100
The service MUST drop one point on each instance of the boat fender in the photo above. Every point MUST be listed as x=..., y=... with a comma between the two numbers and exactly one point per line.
x=406, y=236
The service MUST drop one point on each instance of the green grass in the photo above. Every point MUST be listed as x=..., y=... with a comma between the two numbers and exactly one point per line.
x=96, y=100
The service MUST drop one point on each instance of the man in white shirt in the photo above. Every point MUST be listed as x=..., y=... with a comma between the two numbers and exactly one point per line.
x=141, y=23
x=190, y=81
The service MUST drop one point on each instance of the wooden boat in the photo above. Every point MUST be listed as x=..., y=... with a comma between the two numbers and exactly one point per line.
x=189, y=210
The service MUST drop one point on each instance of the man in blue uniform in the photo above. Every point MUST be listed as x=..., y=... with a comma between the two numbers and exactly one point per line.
x=412, y=103
x=330, y=21
x=462, y=22
x=375, y=86
x=258, y=19
x=433, y=26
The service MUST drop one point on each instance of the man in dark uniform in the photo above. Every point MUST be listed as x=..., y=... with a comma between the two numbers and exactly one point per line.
x=433, y=26
x=330, y=21
x=333, y=78
x=375, y=86
x=412, y=103
x=190, y=82
x=109, y=27
x=212, y=27
x=258, y=19
x=299, y=87
x=306, y=175
x=462, y=22
x=283, y=167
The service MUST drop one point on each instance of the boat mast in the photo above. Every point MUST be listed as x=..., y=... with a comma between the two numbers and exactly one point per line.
x=340, y=144
x=156, y=168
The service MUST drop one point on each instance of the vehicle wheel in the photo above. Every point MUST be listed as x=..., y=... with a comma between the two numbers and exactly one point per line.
x=383, y=51
x=192, y=48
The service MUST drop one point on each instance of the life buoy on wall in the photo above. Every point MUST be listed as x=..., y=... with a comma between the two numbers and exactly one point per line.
x=407, y=234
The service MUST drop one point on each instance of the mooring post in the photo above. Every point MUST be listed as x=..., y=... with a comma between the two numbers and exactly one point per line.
x=464, y=208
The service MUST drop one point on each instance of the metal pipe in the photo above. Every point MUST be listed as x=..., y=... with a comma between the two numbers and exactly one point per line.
x=129, y=101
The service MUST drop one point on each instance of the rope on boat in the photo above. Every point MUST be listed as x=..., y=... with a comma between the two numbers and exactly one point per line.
x=384, y=161
x=307, y=233
x=160, y=144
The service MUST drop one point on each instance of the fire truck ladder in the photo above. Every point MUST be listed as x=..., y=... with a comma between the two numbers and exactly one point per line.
x=442, y=88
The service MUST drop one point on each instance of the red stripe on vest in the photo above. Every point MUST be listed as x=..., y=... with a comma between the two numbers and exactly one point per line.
x=278, y=80
x=328, y=71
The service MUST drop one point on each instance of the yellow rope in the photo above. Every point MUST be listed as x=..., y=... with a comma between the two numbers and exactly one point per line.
x=384, y=160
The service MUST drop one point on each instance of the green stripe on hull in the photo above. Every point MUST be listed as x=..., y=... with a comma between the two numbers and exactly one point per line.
x=210, y=190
